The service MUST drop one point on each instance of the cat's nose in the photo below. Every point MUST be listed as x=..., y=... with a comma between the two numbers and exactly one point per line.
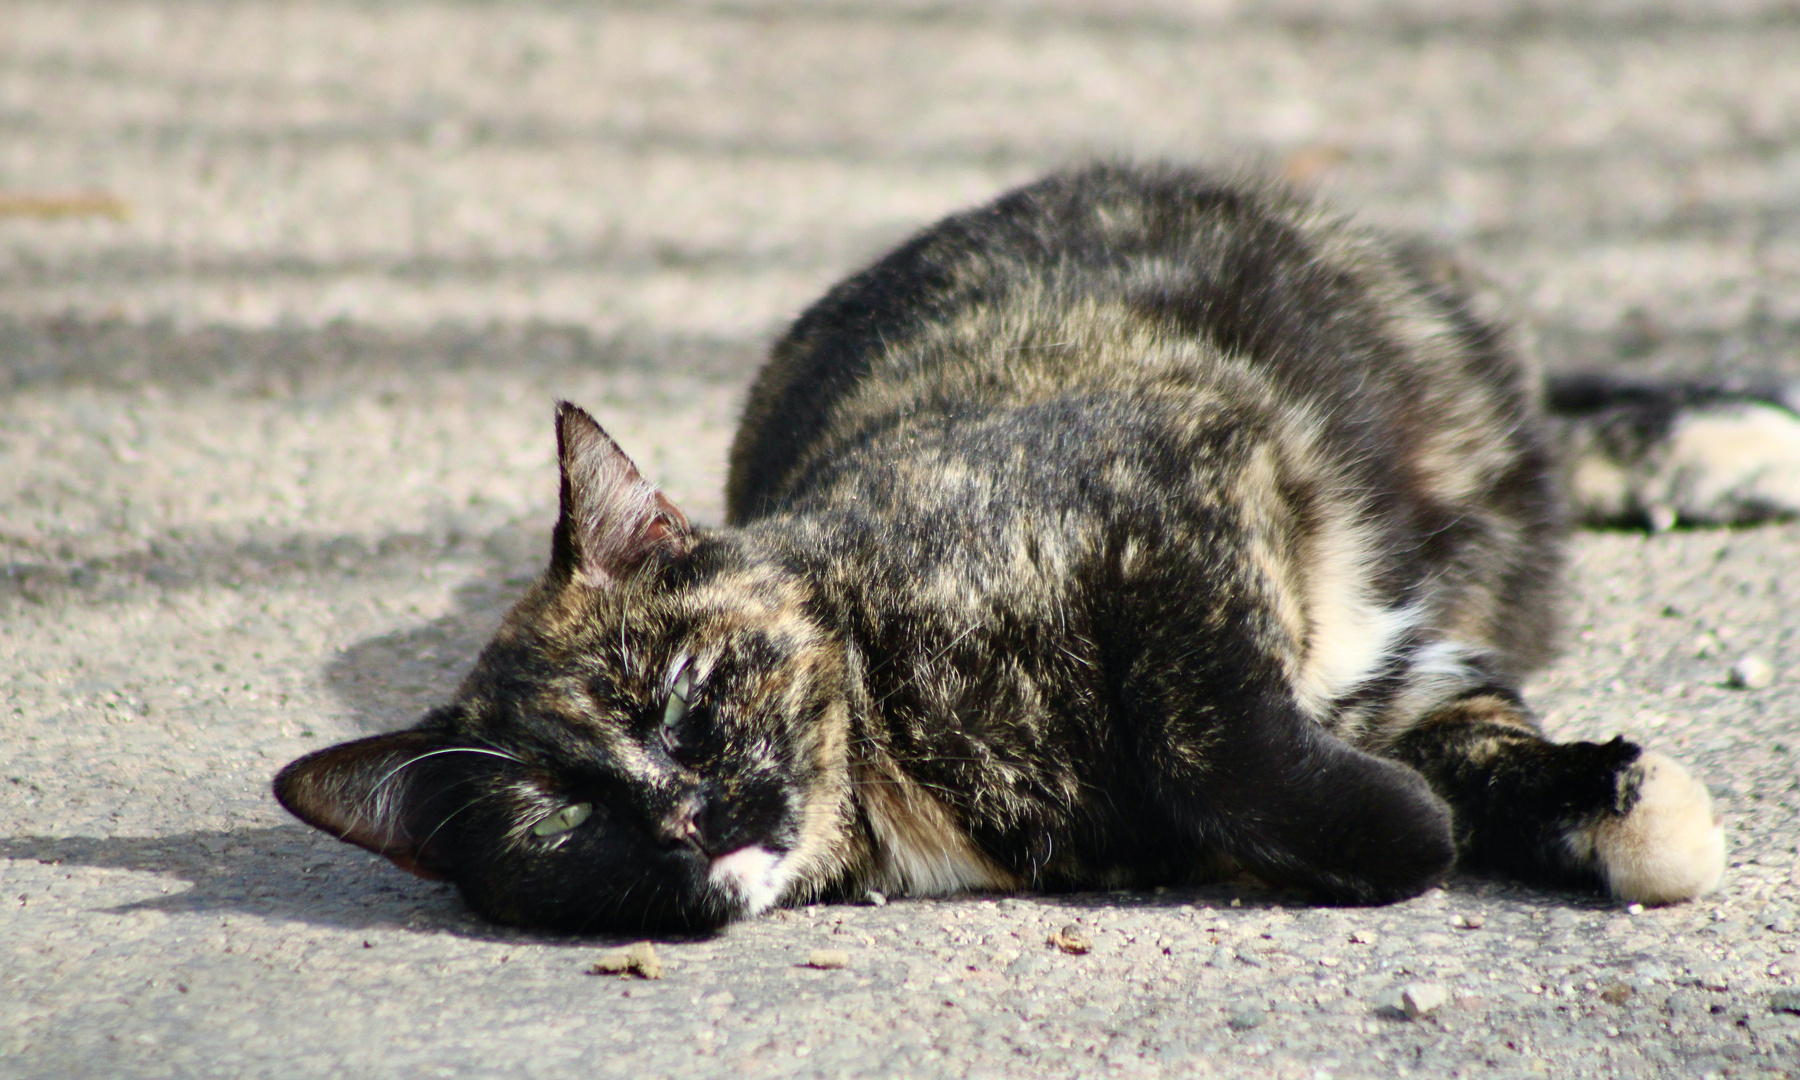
x=682, y=826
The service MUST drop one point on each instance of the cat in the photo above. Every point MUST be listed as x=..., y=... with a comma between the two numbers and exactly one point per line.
x=1142, y=526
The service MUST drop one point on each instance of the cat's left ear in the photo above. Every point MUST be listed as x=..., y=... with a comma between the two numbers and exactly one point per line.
x=612, y=519
x=373, y=793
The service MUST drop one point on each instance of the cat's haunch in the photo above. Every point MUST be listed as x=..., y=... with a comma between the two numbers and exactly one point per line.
x=1141, y=526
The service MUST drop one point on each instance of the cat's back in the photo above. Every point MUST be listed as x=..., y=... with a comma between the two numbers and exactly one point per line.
x=1135, y=283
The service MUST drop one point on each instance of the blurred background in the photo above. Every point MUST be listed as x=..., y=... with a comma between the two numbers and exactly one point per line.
x=286, y=283
x=667, y=182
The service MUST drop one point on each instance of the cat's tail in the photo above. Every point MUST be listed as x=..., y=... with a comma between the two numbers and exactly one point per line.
x=1662, y=454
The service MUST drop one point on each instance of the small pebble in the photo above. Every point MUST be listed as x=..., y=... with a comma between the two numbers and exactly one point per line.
x=644, y=960
x=828, y=959
x=877, y=899
x=1071, y=940
x=1617, y=993
x=1634, y=909
x=1246, y=1018
x=1751, y=673
x=1715, y=980
x=1785, y=1000
x=1363, y=937
x=638, y=959
x=1473, y=921
x=1421, y=999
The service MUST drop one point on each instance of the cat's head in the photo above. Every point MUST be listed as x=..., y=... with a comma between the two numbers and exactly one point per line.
x=655, y=740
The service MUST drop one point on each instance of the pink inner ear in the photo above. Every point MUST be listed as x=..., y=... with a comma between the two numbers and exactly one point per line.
x=666, y=527
x=612, y=518
x=671, y=522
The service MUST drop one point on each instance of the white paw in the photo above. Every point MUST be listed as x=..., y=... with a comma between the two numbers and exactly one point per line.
x=1669, y=848
x=1727, y=464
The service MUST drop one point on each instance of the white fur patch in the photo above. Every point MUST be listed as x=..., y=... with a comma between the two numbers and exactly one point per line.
x=933, y=870
x=1729, y=464
x=756, y=874
x=1439, y=672
x=920, y=849
x=1669, y=848
x=1349, y=635
x=1444, y=660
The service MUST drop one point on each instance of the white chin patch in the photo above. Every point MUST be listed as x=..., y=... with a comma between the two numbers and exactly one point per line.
x=751, y=873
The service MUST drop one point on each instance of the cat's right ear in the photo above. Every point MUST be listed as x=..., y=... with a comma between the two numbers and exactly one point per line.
x=612, y=519
x=372, y=793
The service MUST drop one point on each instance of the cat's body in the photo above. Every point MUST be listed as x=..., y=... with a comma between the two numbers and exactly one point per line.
x=1136, y=527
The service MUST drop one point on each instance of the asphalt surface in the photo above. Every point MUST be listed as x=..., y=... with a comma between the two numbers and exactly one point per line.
x=286, y=292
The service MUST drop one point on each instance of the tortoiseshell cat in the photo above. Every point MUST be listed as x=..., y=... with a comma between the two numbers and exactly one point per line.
x=1141, y=526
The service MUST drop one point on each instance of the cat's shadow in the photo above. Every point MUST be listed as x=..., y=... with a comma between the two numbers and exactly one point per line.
x=388, y=681
x=281, y=873
x=1468, y=888
x=292, y=873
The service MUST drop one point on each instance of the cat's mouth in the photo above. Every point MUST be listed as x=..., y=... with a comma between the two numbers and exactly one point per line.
x=753, y=874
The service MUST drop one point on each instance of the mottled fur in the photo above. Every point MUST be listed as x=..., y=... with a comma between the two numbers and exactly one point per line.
x=1139, y=526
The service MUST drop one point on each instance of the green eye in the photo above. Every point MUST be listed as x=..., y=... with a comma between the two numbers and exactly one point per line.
x=563, y=820
x=676, y=710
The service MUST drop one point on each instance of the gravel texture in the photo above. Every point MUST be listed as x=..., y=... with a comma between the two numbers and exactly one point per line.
x=286, y=291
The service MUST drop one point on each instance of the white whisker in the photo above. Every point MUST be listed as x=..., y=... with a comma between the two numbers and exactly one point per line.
x=378, y=791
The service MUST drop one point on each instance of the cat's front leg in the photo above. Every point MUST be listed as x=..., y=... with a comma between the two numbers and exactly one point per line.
x=1613, y=815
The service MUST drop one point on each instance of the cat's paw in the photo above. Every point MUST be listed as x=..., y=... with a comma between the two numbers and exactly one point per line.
x=1725, y=465
x=1668, y=847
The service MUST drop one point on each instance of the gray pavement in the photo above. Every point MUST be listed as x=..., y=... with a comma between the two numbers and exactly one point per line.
x=286, y=290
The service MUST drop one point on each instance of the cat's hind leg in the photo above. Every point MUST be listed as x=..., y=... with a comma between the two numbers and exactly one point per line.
x=1294, y=805
x=1612, y=815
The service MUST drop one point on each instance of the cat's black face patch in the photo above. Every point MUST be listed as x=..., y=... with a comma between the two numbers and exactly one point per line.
x=481, y=822
x=617, y=871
